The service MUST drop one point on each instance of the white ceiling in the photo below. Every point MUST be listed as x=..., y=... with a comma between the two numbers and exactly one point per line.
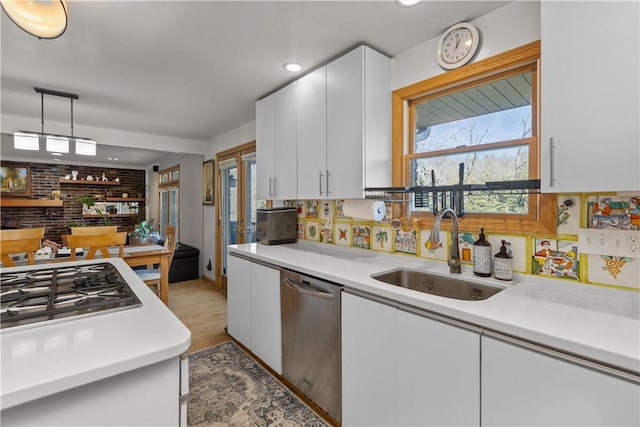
x=194, y=69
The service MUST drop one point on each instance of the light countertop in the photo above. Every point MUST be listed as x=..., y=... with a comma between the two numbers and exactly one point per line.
x=49, y=357
x=594, y=322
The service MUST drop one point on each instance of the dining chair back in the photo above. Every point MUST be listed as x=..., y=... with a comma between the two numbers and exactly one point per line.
x=85, y=231
x=19, y=241
x=151, y=276
x=97, y=243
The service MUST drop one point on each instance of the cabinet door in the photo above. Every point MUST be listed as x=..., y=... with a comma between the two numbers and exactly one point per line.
x=368, y=362
x=266, y=337
x=345, y=125
x=312, y=135
x=590, y=91
x=521, y=386
x=286, y=142
x=438, y=373
x=265, y=147
x=239, y=299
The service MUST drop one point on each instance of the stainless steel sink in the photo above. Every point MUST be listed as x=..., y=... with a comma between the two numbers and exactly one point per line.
x=449, y=287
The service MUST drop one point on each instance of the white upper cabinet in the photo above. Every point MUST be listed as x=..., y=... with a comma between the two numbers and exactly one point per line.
x=265, y=147
x=276, y=145
x=358, y=123
x=312, y=135
x=590, y=139
x=328, y=134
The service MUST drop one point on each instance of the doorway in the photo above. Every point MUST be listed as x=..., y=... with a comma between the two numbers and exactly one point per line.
x=236, y=205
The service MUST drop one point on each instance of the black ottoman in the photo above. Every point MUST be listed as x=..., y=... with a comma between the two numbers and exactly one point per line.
x=185, y=264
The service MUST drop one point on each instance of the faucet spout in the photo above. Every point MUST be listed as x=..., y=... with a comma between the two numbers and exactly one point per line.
x=434, y=238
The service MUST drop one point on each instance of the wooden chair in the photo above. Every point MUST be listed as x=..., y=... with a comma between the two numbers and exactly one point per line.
x=151, y=276
x=19, y=241
x=97, y=243
x=87, y=231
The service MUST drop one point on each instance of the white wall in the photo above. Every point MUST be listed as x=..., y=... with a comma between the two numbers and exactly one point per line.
x=506, y=28
x=241, y=135
x=190, y=197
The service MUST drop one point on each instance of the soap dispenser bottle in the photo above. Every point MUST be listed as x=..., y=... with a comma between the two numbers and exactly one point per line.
x=502, y=268
x=482, y=256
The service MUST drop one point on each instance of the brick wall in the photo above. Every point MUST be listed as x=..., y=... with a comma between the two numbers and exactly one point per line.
x=44, y=178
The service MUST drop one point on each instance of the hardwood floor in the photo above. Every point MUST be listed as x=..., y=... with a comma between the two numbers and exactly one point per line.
x=203, y=309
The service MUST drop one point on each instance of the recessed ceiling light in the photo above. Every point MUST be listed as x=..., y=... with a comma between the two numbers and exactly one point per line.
x=113, y=158
x=56, y=159
x=292, y=67
x=408, y=3
x=56, y=154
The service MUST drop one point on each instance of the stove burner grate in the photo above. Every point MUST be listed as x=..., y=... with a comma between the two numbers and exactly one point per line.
x=54, y=293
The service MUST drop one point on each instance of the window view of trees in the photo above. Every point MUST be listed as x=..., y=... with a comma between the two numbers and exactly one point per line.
x=488, y=128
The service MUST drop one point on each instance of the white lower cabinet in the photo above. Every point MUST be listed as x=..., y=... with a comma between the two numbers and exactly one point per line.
x=253, y=309
x=404, y=369
x=368, y=362
x=437, y=371
x=524, y=385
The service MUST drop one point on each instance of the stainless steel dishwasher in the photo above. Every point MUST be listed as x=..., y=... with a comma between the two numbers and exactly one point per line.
x=311, y=338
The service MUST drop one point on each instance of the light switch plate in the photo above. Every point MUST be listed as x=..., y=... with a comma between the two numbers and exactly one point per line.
x=594, y=241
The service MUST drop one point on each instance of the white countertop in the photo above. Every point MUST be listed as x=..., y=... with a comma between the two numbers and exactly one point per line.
x=595, y=322
x=49, y=357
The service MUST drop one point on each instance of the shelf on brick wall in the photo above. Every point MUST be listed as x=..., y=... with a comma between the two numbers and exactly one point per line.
x=124, y=199
x=109, y=215
x=85, y=182
x=30, y=203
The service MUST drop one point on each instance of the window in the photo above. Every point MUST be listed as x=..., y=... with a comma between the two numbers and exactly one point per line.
x=484, y=116
x=169, y=199
x=486, y=128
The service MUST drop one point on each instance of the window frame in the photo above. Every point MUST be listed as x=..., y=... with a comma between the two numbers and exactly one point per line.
x=541, y=218
x=167, y=186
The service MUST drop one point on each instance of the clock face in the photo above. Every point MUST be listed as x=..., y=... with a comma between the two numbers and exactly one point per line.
x=457, y=46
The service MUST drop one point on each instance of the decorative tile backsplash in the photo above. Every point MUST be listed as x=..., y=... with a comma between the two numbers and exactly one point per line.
x=556, y=257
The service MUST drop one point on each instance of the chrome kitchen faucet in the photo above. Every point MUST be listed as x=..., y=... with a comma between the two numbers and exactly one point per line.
x=434, y=238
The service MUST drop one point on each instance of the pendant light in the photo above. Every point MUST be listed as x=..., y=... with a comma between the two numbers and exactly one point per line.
x=45, y=19
x=27, y=140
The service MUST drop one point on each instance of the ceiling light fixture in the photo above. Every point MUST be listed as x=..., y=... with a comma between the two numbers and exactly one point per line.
x=408, y=3
x=26, y=140
x=293, y=67
x=45, y=19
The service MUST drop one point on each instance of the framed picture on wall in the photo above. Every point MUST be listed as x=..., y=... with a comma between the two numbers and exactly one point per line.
x=208, y=178
x=14, y=180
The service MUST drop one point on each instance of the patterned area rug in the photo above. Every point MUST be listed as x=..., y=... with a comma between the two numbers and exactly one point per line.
x=228, y=388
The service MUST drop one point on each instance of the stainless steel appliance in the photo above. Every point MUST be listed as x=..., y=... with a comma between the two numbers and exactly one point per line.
x=311, y=338
x=42, y=294
x=277, y=225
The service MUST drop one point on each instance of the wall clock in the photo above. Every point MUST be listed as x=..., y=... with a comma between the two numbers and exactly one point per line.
x=457, y=45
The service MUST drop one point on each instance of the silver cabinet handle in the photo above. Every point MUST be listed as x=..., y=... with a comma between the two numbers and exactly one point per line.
x=275, y=187
x=320, y=181
x=328, y=183
x=306, y=289
x=552, y=163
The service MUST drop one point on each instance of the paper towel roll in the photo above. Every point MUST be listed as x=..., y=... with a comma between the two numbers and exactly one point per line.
x=364, y=209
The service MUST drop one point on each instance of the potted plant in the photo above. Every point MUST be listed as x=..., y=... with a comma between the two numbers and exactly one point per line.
x=144, y=232
x=87, y=203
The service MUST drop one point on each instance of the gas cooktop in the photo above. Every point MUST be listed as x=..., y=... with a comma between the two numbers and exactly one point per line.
x=44, y=294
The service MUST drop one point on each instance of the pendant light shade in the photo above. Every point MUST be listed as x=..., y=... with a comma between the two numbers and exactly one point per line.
x=45, y=19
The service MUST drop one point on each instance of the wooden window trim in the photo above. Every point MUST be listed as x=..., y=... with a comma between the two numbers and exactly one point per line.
x=169, y=171
x=542, y=217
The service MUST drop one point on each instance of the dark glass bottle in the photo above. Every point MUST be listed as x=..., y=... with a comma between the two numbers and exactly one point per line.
x=482, y=256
